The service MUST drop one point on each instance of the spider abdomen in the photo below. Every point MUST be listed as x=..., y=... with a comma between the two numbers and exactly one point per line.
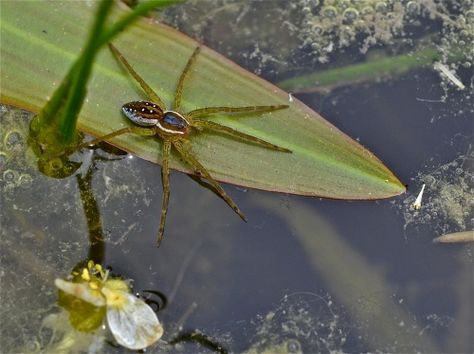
x=143, y=113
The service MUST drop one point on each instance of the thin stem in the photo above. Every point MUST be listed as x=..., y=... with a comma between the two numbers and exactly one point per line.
x=141, y=9
x=81, y=75
x=92, y=213
x=51, y=108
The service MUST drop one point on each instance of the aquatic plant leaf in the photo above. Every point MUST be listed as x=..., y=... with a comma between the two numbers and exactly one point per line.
x=360, y=72
x=40, y=40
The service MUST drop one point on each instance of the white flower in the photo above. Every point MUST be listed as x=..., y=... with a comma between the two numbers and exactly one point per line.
x=132, y=322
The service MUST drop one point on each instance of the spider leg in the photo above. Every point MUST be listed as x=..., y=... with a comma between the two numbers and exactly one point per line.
x=137, y=130
x=246, y=137
x=182, y=79
x=194, y=163
x=165, y=172
x=148, y=90
x=201, y=112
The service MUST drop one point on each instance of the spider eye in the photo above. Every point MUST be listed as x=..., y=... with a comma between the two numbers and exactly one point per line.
x=142, y=113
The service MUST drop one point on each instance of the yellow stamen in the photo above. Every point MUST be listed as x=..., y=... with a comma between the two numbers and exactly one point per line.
x=85, y=275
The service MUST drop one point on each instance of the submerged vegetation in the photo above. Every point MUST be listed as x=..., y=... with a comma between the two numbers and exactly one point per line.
x=321, y=31
x=329, y=25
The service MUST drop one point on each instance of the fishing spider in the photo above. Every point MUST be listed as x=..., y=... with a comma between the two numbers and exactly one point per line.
x=174, y=128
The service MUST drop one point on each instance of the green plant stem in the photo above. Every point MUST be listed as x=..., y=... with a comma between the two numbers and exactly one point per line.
x=72, y=90
x=51, y=108
x=140, y=10
x=82, y=73
x=93, y=217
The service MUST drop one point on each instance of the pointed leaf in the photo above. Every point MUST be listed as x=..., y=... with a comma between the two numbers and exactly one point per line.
x=41, y=39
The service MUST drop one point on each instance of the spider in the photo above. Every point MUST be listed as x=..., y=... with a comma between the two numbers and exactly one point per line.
x=174, y=127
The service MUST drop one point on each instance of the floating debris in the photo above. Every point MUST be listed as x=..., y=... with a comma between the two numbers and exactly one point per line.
x=455, y=237
x=417, y=203
x=450, y=75
x=132, y=322
x=448, y=206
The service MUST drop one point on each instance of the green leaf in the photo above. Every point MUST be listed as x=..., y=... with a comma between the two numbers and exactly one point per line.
x=40, y=41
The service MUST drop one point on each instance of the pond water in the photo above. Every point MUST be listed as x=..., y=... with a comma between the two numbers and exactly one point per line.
x=303, y=274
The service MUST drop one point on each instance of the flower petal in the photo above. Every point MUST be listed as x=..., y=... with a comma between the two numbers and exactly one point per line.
x=82, y=291
x=133, y=325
